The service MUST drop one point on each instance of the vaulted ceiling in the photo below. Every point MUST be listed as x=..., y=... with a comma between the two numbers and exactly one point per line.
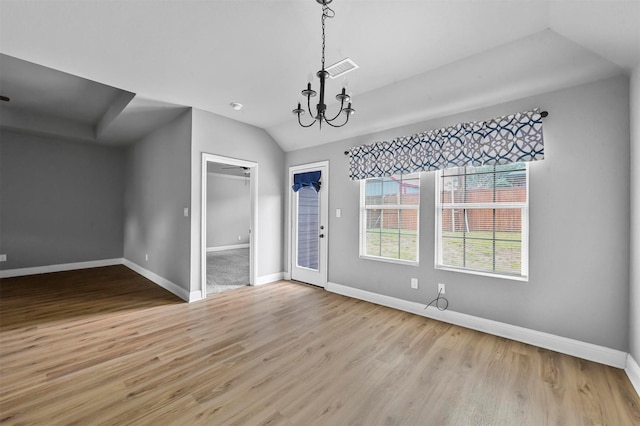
x=142, y=60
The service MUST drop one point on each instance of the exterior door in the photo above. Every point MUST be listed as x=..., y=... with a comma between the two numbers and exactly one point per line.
x=309, y=232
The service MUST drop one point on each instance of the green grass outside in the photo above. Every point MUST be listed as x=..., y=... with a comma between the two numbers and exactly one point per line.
x=479, y=251
x=392, y=243
x=479, y=248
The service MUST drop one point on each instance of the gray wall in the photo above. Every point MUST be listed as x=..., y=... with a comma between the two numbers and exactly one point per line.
x=60, y=201
x=157, y=191
x=228, y=210
x=634, y=325
x=218, y=135
x=579, y=223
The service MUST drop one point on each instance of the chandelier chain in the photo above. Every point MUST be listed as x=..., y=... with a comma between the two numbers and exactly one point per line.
x=327, y=12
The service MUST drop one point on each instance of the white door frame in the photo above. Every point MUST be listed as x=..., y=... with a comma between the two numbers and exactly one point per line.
x=253, y=232
x=324, y=213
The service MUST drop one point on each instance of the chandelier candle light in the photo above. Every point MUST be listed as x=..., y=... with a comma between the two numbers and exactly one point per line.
x=343, y=97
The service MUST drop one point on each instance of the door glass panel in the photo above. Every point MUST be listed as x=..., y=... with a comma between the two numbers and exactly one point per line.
x=308, y=228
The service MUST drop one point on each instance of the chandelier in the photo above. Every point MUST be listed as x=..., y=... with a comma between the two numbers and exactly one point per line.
x=321, y=108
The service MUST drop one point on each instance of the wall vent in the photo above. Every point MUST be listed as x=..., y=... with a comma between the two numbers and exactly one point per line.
x=341, y=68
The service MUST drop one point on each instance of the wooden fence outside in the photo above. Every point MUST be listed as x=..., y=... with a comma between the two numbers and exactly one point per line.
x=457, y=220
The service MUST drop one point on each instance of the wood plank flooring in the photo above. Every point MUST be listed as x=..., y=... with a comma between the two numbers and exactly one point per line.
x=105, y=346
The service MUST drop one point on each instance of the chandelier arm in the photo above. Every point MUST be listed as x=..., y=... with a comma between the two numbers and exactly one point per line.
x=339, y=112
x=309, y=106
x=338, y=125
x=306, y=125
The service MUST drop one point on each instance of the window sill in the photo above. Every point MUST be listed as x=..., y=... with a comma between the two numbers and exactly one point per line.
x=484, y=274
x=388, y=260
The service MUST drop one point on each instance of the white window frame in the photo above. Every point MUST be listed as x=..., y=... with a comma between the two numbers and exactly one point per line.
x=524, y=252
x=363, y=224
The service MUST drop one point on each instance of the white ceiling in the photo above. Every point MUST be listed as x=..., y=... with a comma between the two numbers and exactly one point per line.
x=418, y=59
x=49, y=102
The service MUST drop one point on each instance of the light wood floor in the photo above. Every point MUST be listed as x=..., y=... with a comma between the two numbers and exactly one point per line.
x=105, y=346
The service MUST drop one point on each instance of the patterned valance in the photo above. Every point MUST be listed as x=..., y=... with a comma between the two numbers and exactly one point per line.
x=503, y=140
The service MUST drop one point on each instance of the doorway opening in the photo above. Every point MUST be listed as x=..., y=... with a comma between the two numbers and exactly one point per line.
x=229, y=222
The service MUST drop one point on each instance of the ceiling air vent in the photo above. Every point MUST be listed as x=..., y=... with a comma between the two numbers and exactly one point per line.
x=341, y=68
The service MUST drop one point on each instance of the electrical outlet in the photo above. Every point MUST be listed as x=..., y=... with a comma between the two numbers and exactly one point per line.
x=239, y=238
x=146, y=257
x=414, y=283
x=3, y=257
x=441, y=288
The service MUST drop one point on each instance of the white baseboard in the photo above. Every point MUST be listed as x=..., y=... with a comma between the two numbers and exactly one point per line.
x=221, y=248
x=266, y=279
x=633, y=372
x=59, y=268
x=162, y=282
x=194, y=296
x=588, y=351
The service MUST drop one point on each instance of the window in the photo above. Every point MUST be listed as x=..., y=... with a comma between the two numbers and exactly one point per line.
x=482, y=223
x=389, y=212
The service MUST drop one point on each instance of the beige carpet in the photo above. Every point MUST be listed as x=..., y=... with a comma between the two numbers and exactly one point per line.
x=227, y=270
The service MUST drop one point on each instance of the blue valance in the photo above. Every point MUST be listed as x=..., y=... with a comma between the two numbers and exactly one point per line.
x=311, y=179
x=503, y=140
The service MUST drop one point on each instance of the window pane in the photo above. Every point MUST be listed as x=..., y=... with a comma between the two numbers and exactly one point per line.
x=408, y=221
x=390, y=189
x=399, y=236
x=483, y=239
x=308, y=228
x=373, y=219
x=373, y=192
x=452, y=220
x=514, y=194
x=452, y=250
x=508, y=256
x=408, y=247
x=390, y=219
x=391, y=223
x=508, y=224
x=390, y=245
x=373, y=245
x=449, y=190
x=478, y=253
x=410, y=190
